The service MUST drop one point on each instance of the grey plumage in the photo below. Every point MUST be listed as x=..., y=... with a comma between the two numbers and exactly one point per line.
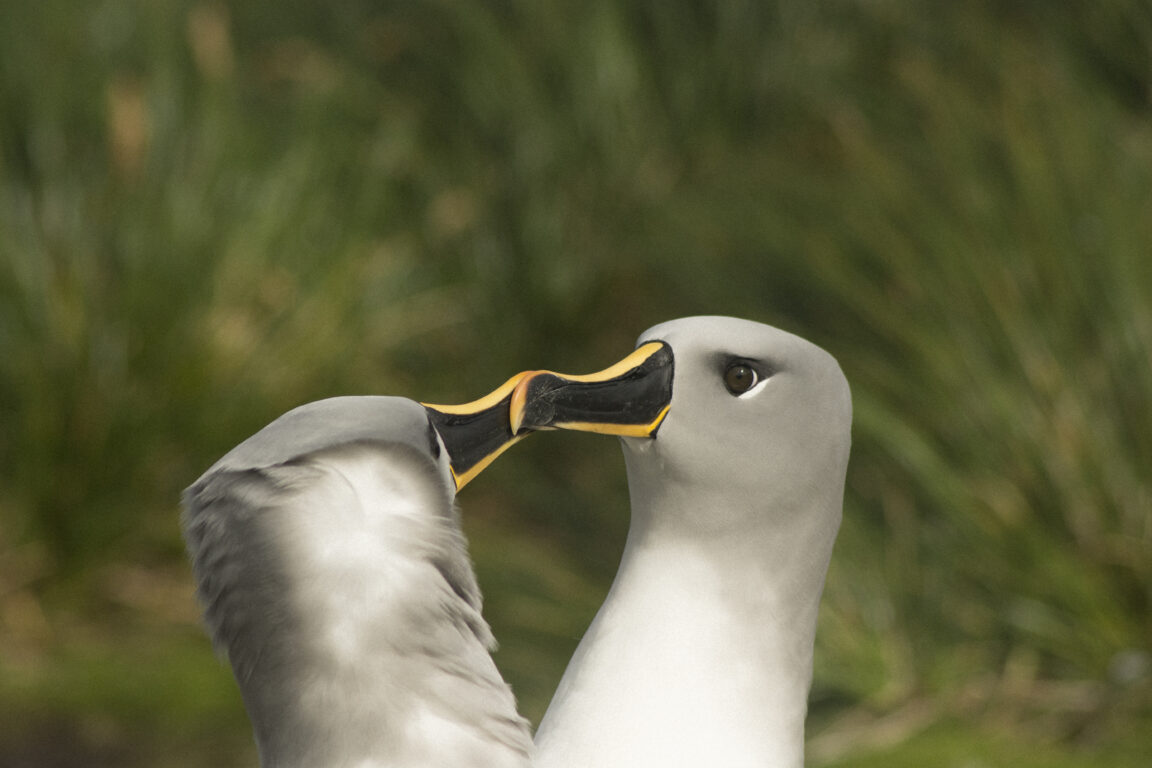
x=335, y=578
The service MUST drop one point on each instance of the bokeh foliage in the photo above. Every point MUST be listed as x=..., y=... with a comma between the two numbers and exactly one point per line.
x=211, y=212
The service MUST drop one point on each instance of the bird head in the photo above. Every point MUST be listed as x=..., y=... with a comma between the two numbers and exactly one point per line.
x=710, y=409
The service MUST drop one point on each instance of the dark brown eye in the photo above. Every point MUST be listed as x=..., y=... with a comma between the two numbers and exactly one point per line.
x=740, y=377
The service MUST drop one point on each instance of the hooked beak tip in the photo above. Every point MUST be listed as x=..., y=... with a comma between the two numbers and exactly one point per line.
x=518, y=402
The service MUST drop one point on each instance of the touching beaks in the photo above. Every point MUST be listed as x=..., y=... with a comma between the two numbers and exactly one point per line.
x=476, y=433
x=630, y=398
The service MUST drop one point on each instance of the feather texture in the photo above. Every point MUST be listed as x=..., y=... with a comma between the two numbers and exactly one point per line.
x=336, y=581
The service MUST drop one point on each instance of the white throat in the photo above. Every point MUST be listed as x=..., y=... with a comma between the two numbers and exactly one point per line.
x=702, y=652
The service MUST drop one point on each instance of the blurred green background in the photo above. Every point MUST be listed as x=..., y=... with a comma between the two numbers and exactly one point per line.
x=212, y=212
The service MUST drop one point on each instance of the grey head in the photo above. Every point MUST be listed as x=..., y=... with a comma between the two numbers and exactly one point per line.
x=752, y=424
x=335, y=578
x=760, y=419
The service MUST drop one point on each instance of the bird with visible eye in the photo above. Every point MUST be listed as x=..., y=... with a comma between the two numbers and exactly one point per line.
x=335, y=578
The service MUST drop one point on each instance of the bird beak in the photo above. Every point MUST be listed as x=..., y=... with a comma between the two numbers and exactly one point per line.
x=476, y=433
x=631, y=398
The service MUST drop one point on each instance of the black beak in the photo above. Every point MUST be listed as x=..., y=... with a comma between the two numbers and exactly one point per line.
x=630, y=398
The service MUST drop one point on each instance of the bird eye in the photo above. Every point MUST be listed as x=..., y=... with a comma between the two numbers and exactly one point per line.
x=740, y=377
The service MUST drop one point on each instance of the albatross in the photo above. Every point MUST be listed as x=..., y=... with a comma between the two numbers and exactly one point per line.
x=335, y=578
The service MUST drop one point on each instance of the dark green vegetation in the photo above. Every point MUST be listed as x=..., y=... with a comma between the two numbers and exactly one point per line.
x=210, y=213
